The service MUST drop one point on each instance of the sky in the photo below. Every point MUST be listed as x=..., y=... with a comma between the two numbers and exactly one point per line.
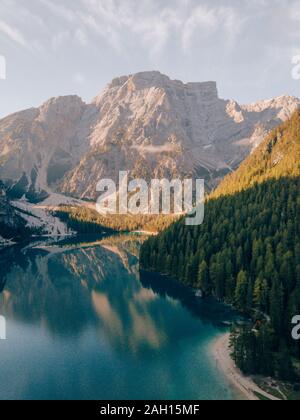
x=62, y=47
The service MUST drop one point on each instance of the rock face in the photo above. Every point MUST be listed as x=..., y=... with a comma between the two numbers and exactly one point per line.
x=38, y=146
x=145, y=123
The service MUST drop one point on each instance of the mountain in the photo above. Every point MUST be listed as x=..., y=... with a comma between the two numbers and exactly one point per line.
x=277, y=157
x=144, y=123
x=38, y=146
x=247, y=251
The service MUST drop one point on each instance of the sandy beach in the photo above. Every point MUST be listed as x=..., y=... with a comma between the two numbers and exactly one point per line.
x=245, y=385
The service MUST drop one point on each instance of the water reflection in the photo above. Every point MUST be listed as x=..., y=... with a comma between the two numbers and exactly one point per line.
x=89, y=296
x=208, y=310
x=69, y=289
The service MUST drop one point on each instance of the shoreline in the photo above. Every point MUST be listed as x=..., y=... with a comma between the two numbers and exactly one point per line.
x=244, y=384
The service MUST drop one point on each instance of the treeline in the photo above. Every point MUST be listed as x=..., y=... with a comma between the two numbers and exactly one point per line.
x=259, y=350
x=247, y=253
x=81, y=220
x=17, y=233
x=12, y=226
x=86, y=221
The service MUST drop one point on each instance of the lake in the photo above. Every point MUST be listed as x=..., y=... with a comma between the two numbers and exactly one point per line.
x=82, y=323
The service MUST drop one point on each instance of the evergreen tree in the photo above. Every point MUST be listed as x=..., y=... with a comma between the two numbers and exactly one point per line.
x=241, y=291
x=203, y=278
x=276, y=306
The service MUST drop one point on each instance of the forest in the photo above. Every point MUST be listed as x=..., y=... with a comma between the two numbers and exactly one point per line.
x=85, y=220
x=247, y=252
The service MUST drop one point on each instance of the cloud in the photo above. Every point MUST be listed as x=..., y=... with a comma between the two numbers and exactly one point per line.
x=13, y=34
x=103, y=29
x=152, y=27
x=58, y=9
x=121, y=24
x=206, y=21
x=202, y=18
x=152, y=24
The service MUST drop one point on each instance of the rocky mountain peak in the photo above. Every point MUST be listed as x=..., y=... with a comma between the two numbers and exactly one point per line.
x=290, y=103
x=145, y=123
x=154, y=80
x=61, y=106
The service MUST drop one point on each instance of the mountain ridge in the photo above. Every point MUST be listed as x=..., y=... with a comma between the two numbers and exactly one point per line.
x=278, y=156
x=145, y=123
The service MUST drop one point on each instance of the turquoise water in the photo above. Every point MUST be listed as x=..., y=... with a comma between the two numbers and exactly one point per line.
x=83, y=324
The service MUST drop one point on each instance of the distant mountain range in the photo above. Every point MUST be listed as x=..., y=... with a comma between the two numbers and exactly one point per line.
x=144, y=123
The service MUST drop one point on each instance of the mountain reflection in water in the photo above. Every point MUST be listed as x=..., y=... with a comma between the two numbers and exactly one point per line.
x=86, y=303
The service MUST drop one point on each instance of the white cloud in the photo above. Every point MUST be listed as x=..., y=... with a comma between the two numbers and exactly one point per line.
x=13, y=34
x=147, y=23
x=103, y=29
x=202, y=18
x=205, y=21
x=153, y=24
x=59, y=10
x=150, y=25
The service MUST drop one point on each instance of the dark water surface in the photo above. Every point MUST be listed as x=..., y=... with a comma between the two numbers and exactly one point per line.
x=83, y=324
